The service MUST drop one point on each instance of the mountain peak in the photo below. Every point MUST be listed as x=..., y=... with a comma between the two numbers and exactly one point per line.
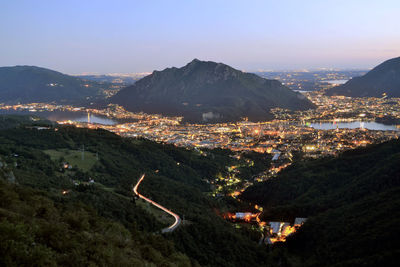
x=195, y=60
x=206, y=91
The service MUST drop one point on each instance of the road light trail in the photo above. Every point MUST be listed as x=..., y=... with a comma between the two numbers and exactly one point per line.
x=177, y=218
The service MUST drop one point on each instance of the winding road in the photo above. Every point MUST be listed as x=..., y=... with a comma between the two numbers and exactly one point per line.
x=178, y=220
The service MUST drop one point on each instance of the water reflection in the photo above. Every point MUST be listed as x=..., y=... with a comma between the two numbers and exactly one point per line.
x=90, y=118
x=370, y=125
x=66, y=115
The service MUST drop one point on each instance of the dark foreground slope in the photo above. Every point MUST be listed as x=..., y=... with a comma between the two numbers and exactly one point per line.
x=384, y=78
x=352, y=203
x=205, y=91
x=71, y=221
x=26, y=84
x=38, y=230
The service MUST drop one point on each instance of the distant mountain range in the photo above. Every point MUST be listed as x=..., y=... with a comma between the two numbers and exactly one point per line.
x=205, y=91
x=385, y=78
x=116, y=79
x=309, y=80
x=34, y=84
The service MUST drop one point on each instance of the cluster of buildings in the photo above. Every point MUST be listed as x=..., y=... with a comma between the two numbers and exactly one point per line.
x=342, y=108
x=291, y=135
x=279, y=231
x=308, y=80
x=272, y=231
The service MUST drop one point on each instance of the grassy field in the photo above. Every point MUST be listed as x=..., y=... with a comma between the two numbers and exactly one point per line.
x=74, y=157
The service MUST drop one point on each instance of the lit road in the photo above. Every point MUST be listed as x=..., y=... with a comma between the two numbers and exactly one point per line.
x=177, y=218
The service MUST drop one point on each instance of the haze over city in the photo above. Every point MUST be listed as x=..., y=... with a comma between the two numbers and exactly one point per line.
x=142, y=36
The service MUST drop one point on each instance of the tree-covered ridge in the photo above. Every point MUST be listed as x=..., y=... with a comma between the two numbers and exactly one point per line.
x=352, y=204
x=332, y=181
x=14, y=121
x=175, y=177
x=27, y=84
x=362, y=233
x=36, y=230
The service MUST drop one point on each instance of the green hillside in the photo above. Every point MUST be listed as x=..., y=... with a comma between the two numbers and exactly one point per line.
x=38, y=230
x=36, y=157
x=352, y=204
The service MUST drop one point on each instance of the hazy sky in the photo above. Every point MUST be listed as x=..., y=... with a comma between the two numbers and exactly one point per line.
x=139, y=36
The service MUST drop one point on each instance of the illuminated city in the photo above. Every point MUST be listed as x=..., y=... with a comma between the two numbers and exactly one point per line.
x=200, y=133
x=288, y=135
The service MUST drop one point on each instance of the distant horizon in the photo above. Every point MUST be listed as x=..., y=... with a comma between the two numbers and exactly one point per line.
x=125, y=36
x=304, y=69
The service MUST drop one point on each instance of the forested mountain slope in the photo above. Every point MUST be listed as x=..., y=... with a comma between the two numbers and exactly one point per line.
x=352, y=203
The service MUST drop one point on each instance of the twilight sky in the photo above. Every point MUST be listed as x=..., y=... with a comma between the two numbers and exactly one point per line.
x=139, y=36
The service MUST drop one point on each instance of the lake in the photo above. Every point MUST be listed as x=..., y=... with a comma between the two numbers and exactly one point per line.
x=370, y=125
x=81, y=117
x=78, y=116
x=302, y=91
x=336, y=81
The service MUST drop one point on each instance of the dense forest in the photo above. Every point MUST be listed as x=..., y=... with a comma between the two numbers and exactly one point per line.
x=352, y=203
x=38, y=230
x=94, y=193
